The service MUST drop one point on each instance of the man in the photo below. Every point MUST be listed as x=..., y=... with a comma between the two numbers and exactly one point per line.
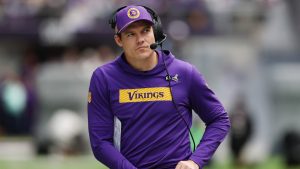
x=140, y=105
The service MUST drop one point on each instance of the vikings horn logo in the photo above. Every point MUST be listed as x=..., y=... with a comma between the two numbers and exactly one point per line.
x=133, y=13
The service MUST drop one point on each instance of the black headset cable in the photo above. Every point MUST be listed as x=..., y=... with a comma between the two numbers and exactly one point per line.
x=169, y=78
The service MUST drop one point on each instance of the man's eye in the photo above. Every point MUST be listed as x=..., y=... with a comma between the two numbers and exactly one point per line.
x=147, y=30
x=129, y=34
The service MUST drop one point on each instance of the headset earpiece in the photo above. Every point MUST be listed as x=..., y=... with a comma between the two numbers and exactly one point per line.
x=157, y=26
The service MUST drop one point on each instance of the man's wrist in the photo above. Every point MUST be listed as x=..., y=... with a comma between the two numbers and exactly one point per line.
x=195, y=164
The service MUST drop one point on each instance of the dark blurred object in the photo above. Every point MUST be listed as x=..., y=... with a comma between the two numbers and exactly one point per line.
x=241, y=129
x=291, y=145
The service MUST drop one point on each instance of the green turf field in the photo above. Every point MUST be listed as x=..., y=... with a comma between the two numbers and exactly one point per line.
x=82, y=162
x=88, y=162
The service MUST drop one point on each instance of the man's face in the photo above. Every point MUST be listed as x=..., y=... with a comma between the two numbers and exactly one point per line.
x=136, y=40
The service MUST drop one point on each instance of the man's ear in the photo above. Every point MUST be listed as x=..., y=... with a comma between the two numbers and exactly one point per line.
x=118, y=40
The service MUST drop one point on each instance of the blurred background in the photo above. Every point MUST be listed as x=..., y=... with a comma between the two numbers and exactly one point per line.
x=248, y=51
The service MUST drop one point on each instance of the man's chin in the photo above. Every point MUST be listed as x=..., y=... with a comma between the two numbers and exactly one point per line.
x=144, y=53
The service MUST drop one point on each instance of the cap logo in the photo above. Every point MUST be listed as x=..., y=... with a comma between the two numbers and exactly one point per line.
x=133, y=13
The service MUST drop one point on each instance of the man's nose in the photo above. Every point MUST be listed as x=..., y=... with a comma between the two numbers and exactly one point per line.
x=140, y=39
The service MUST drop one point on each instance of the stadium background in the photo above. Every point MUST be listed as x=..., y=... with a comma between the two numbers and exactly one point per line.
x=248, y=50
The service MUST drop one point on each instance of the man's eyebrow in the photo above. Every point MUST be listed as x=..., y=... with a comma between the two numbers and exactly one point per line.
x=128, y=31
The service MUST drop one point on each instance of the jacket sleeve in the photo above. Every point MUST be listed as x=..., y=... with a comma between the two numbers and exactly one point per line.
x=101, y=125
x=212, y=113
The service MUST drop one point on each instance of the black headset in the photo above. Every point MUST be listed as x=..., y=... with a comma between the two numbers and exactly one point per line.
x=157, y=26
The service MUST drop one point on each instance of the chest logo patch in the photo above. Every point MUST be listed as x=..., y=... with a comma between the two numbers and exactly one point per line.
x=144, y=95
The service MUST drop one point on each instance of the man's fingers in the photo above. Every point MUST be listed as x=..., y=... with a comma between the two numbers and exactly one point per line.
x=181, y=165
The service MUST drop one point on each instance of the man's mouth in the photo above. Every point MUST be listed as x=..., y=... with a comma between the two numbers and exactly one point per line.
x=142, y=47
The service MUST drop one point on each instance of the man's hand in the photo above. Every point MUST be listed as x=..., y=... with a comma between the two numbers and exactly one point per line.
x=189, y=164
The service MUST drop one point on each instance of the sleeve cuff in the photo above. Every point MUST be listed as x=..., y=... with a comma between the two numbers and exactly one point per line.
x=195, y=161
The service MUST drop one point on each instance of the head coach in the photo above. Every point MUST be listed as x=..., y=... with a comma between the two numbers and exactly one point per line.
x=140, y=105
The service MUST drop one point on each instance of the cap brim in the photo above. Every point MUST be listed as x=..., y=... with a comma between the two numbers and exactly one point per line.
x=125, y=26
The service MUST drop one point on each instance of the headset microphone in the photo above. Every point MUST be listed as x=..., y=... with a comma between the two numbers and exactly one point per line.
x=154, y=45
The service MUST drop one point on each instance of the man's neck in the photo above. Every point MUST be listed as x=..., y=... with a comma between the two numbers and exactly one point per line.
x=145, y=64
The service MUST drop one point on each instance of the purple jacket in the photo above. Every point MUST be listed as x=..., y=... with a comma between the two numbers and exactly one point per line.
x=151, y=133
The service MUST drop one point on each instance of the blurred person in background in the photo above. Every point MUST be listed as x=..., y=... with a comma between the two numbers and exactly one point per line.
x=18, y=96
x=140, y=105
x=14, y=106
x=241, y=130
x=291, y=147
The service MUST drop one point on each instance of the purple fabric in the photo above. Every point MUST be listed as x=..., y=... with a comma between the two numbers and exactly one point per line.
x=131, y=14
x=153, y=134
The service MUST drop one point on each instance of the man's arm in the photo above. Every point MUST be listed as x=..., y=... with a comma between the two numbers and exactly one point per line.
x=101, y=125
x=213, y=114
